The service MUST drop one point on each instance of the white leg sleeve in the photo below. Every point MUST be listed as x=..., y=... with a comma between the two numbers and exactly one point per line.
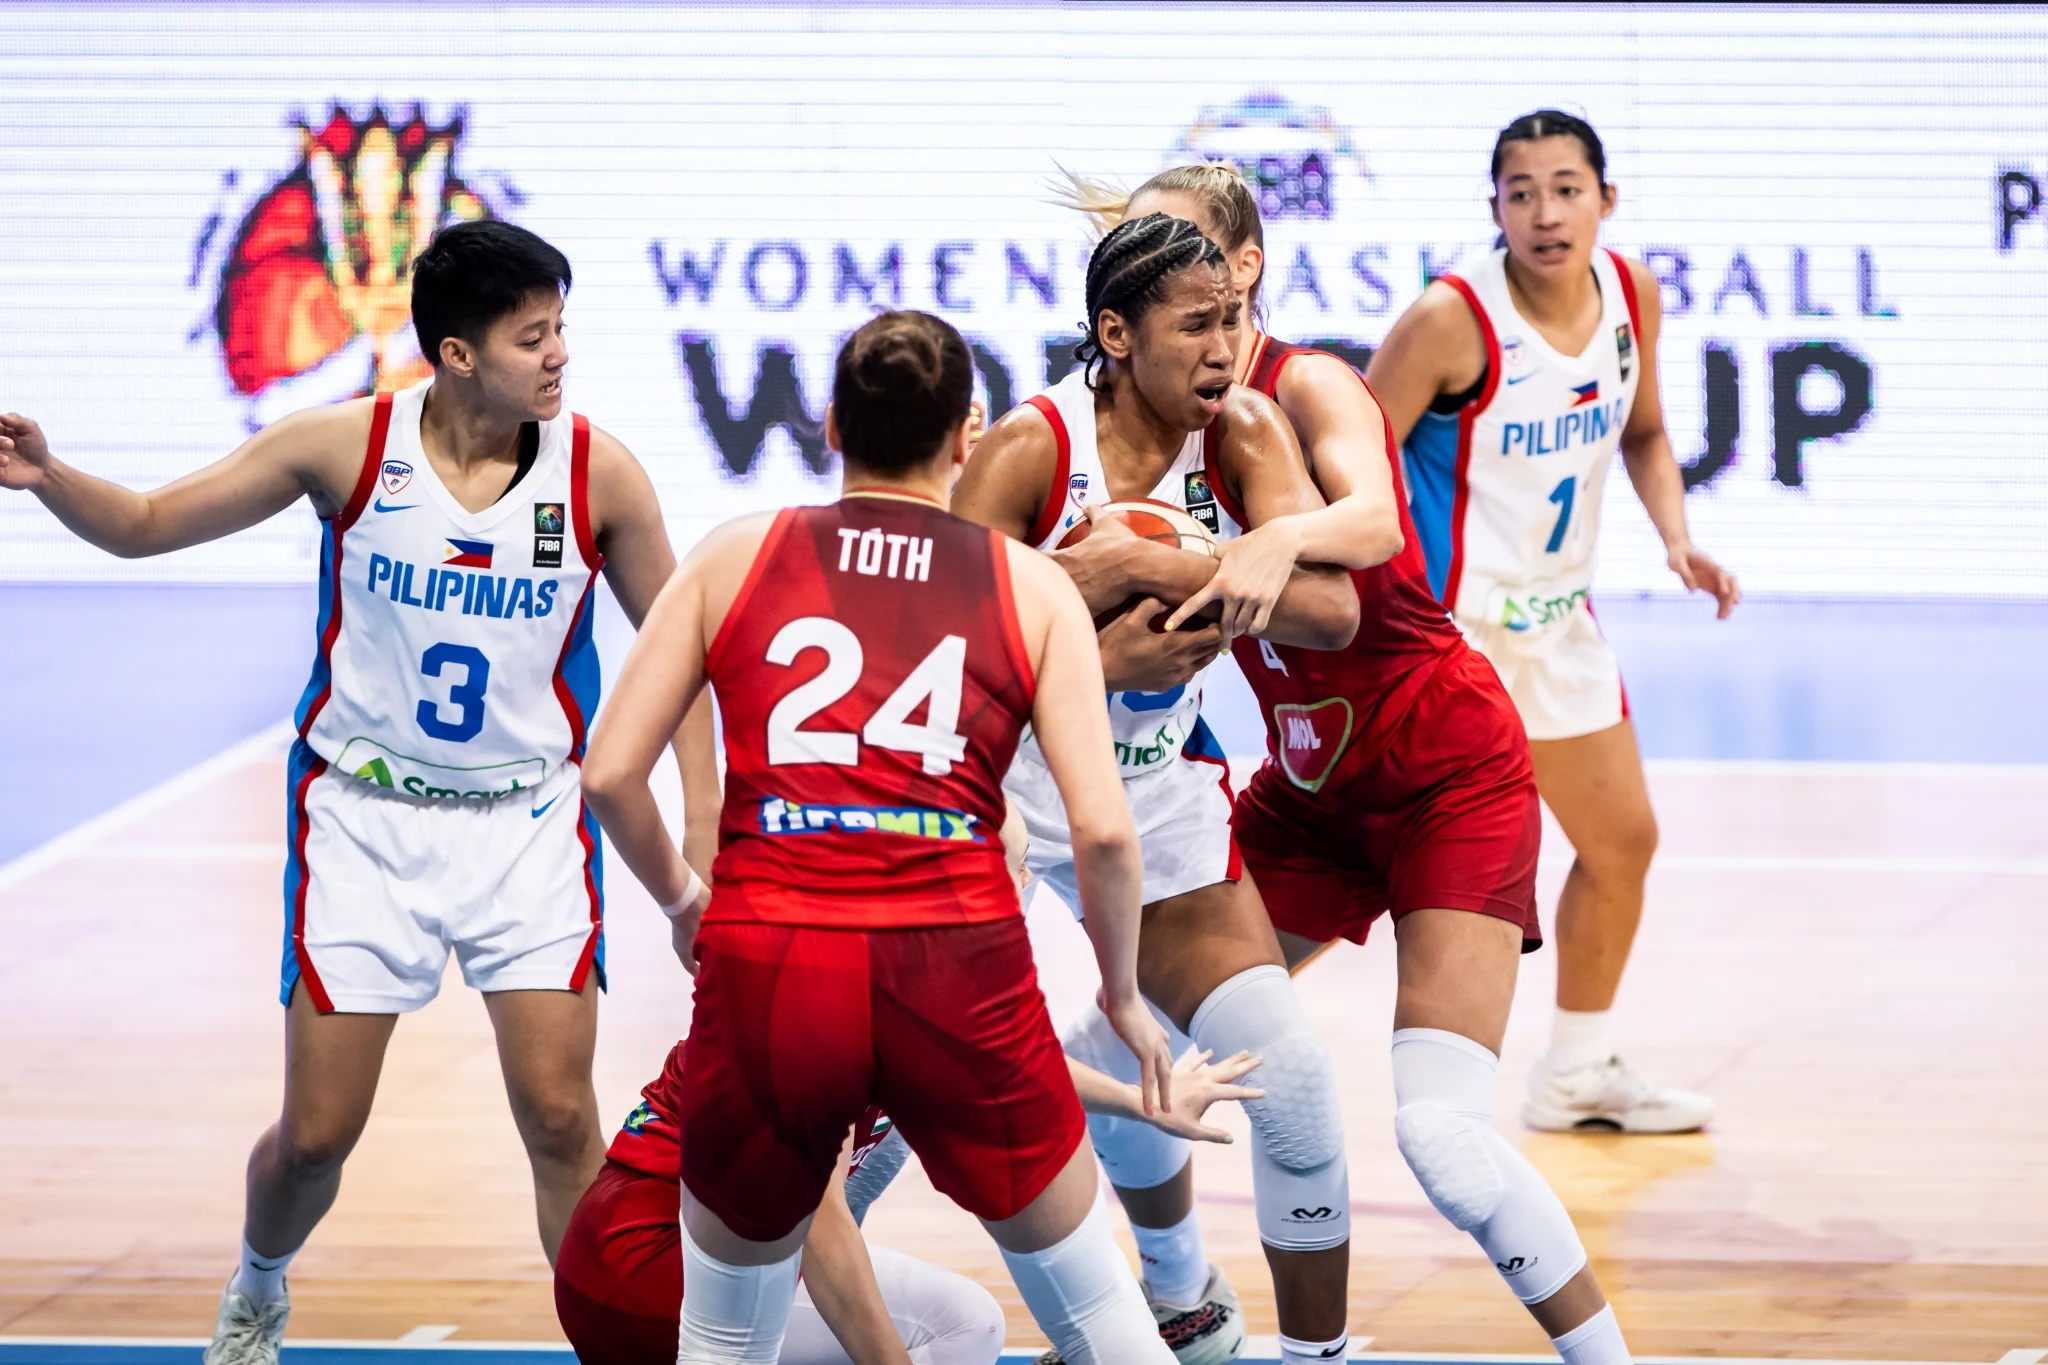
x=1300, y=1184
x=1135, y=1155
x=1443, y=1123
x=942, y=1318
x=733, y=1314
x=1085, y=1299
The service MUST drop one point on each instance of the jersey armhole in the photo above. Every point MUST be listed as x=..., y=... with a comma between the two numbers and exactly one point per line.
x=1226, y=499
x=1062, y=469
x=1490, y=384
x=579, y=493
x=373, y=456
x=1628, y=290
x=1013, y=623
x=770, y=543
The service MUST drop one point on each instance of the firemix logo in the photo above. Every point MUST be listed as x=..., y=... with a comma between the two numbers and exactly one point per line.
x=318, y=272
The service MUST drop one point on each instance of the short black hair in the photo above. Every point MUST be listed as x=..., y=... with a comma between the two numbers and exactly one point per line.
x=1542, y=123
x=474, y=273
x=903, y=384
x=1128, y=273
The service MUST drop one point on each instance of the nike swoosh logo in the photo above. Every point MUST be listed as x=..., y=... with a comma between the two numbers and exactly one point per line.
x=1512, y=381
x=539, y=811
x=381, y=506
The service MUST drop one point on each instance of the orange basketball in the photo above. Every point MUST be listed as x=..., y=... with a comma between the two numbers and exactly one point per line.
x=1150, y=519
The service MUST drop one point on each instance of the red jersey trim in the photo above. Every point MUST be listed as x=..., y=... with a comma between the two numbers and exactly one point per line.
x=579, y=494
x=1628, y=292
x=1224, y=497
x=308, y=973
x=769, y=544
x=1013, y=625
x=1467, y=417
x=588, y=957
x=566, y=695
x=373, y=456
x=1062, y=470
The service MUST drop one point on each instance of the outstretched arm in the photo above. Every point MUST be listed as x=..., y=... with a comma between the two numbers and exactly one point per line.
x=841, y=1278
x=1653, y=469
x=638, y=562
x=317, y=453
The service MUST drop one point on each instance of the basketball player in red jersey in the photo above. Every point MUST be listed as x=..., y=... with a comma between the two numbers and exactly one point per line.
x=875, y=661
x=1399, y=780
x=619, y=1281
x=1160, y=417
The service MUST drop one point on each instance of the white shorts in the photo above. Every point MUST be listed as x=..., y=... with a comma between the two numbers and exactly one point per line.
x=1564, y=678
x=379, y=886
x=1182, y=811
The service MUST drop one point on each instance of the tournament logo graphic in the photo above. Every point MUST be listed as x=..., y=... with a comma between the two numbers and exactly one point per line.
x=1289, y=153
x=318, y=275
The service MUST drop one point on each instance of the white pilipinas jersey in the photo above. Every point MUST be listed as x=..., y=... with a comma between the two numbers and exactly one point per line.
x=456, y=656
x=1149, y=728
x=1506, y=492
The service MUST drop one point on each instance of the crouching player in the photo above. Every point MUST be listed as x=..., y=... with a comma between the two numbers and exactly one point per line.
x=875, y=661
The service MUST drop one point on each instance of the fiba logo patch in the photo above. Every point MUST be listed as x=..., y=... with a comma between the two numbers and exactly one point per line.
x=548, y=525
x=1290, y=154
x=316, y=276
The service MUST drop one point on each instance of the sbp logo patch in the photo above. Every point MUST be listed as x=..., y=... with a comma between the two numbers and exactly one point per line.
x=1312, y=738
x=396, y=474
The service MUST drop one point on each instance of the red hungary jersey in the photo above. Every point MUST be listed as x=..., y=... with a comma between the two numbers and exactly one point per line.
x=1330, y=712
x=872, y=681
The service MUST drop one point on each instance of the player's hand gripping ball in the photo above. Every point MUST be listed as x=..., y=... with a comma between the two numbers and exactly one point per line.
x=1161, y=523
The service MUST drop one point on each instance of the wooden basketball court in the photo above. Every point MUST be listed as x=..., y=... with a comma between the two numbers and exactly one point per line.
x=1851, y=960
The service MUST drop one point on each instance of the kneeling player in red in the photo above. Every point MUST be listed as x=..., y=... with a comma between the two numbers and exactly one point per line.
x=619, y=1280
x=875, y=661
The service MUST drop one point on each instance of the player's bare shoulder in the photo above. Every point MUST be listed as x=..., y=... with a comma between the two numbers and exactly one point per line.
x=1009, y=476
x=324, y=448
x=1251, y=429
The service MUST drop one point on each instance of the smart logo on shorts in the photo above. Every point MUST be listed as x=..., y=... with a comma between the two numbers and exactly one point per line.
x=316, y=277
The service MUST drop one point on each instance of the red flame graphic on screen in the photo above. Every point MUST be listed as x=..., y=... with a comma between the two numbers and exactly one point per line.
x=326, y=254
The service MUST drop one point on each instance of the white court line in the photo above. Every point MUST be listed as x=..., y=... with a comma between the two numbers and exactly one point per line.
x=1718, y=862
x=2021, y=1355
x=267, y=743
x=426, y=1335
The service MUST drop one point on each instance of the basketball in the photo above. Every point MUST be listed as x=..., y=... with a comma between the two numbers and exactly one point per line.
x=1159, y=522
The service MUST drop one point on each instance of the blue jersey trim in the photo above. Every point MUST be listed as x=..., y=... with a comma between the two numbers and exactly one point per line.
x=1432, y=451
x=297, y=766
x=330, y=602
x=596, y=865
x=579, y=668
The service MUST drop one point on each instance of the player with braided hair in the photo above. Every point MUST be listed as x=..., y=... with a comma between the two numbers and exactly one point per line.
x=1398, y=780
x=1152, y=413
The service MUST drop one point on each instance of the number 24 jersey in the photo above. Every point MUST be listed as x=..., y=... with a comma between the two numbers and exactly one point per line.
x=872, y=681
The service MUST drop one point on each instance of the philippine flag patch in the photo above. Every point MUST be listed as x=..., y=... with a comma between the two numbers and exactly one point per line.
x=1587, y=393
x=467, y=554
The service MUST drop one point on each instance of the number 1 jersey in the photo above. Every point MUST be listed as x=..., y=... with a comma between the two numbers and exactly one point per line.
x=872, y=681
x=455, y=652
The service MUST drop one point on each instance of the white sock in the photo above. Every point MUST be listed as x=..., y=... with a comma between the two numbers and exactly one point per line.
x=733, y=1314
x=1596, y=1341
x=1081, y=1294
x=1175, y=1266
x=1294, y=1352
x=1578, y=1038
x=260, y=1277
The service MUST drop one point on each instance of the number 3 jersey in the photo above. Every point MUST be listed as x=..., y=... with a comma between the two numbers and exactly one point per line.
x=872, y=681
x=1506, y=491
x=456, y=657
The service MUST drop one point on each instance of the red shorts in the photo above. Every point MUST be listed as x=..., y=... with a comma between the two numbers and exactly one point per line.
x=619, y=1275
x=1446, y=818
x=798, y=1030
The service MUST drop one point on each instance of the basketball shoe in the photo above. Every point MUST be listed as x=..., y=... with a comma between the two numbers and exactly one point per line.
x=1209, y=1333
x=1610, y=1095
x=244, y=1334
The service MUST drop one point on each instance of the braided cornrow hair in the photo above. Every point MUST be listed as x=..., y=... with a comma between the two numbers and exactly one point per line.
x=1129, y=268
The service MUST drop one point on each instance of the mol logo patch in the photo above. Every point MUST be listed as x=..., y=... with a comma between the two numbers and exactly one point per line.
x=1312, y=739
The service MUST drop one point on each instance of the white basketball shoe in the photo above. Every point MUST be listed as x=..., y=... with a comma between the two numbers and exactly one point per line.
x=1208, y=1333
x=244, y=1334
x=1610, y=1095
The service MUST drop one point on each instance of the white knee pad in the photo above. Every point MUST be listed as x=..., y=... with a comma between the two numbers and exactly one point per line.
x=1300, y=1184
x=1134, y=1154
x=1443, y=1124
x=733, y=1315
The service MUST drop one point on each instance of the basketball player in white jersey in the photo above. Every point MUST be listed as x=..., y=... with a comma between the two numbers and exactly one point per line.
x=1153, y=413
x=432, y=791
x=1513, y=383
